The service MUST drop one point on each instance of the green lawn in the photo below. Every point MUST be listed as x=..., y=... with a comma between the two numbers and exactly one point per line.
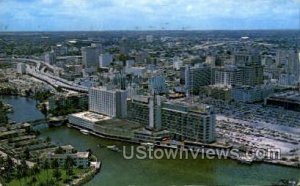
x=42, y=178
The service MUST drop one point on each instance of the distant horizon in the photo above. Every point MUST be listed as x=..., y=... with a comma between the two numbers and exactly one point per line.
x=204, y=30
x=130, y=15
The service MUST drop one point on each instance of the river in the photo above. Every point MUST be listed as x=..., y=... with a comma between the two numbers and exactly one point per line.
x=118, y=171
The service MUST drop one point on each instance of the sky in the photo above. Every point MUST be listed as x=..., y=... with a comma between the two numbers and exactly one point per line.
x=93, y=15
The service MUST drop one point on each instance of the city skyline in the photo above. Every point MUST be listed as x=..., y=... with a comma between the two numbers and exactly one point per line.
x=99, y=15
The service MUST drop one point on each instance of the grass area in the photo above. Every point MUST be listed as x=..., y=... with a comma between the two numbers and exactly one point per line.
x=41, y=178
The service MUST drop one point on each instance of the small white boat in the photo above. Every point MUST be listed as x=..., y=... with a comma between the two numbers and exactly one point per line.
x=113, y=148
x=85, y=132
x=245, y=160
x=148, y=144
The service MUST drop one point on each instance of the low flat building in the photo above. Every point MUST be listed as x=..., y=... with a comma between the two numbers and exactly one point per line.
x=249, y=94
x=87, y=120
x=81, y=159
x=289, y=100
x=218, y=92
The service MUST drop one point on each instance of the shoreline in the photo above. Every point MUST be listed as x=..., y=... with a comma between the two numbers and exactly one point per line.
x=277, y=163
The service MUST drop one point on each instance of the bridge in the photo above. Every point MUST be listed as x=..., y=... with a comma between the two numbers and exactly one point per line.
x=40, y=74
x=37, y=122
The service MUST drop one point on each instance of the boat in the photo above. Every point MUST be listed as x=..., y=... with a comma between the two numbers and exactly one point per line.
x=114, y=148
x=148, y=144
x=245, y=160
x=55, y=121
x=85, y=132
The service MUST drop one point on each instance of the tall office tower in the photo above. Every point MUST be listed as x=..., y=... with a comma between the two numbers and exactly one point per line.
x=289, y=60
x=98, y=47
x=108, y=102
x=246, y=58
x=50, y=58
x=60, y=50
x=195, y=77
x=177, y=63
x=119, y=80
x=21, y=68
x=157, y=84
x=141, y=57
x=252, y=75
x=121, y=103
x=90, y=57
x=124, y=46
x=189, y=122
x=227, y=76
x=211, y=60
x=105, y=60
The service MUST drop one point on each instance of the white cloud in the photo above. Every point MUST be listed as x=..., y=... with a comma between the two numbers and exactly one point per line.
x=128, y=13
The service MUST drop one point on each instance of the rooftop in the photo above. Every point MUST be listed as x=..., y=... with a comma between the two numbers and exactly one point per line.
x=291, y=96
x=91, y=116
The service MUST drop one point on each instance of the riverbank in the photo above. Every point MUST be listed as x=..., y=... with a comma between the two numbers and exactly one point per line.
x=118, y=171
x=19, y=142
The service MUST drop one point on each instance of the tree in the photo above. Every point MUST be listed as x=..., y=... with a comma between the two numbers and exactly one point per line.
x=35, y=170
x=8, y=168
x=69, y=163
x=26, y=153
x=48, y=139
x=59, y=150
x=46, y=167
x=33, y=180
x=19, y=173
x=54, y=164
x=24, y=168
x=57, y=174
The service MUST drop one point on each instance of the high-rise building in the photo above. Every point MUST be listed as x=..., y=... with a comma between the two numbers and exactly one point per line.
x=105, y=60
x=189, y=122
x=145, y=110
x=21, y=68
x=227, y=76
x=289, y=60
x=108, y=102
x=252, y=75
x=195, y=77
x=243, y=75
x=157, y=84
x=247, y=58
x=50, y=58
x=177, y=63
x=98, y=47
x=184, y=121
x=90, y=57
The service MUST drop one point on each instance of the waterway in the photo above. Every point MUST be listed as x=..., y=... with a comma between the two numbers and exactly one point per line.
x=118, y=171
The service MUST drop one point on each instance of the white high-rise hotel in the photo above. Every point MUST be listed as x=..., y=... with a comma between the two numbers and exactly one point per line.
x=108, y=102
